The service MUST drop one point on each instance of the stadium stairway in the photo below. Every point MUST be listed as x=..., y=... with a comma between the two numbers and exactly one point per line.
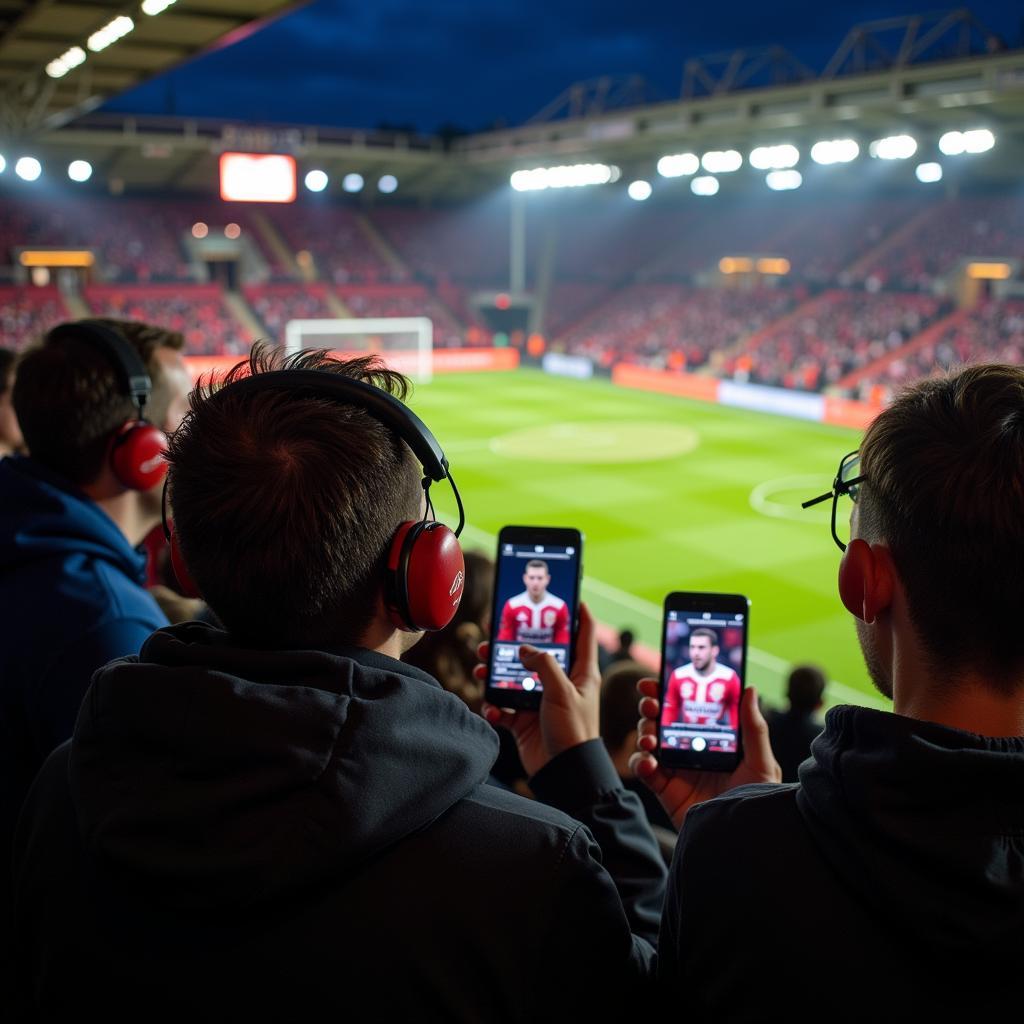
x=874, y=256
x=277, y=245
x=926, y=337
x=383, y=247
x=752, y=341
x=247, y=319
x=77, y=309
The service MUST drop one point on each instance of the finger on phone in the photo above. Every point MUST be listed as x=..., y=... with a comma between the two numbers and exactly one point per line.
x=647, y=687
x=649, y=708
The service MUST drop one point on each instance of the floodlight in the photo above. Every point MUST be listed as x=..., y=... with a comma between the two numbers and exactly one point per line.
x=928, y=172
x=155, y=7
x=835, y=151
x=110, y=33
x=59, y=67
x=232, y=231
x=639, y=190
x=783, y=181
x=772, y=158
x=978, y=140
x=3, y=164
x=352, y=183
x=678, y=164
x=387, y=183
x=316, y=181
x=723, y=161
x=79, y=170
x=893, y=147
x=28, y=168
x=569, y=176
x=200, y=230
x=952, y=143
x=704, y=186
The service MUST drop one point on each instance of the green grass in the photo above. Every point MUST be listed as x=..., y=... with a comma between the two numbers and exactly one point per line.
x=661, y=488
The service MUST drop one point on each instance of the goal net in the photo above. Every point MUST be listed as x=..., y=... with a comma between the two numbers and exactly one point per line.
x=405, y=343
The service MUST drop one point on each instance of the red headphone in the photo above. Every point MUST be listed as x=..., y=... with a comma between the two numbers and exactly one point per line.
x=137, y=450
x=425, y=568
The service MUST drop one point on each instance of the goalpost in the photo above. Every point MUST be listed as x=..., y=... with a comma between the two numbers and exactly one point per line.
x=403, y=343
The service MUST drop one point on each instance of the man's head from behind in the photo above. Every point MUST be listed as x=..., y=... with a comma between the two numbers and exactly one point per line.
x=71, y=400
x=944, y=493
x=805, y=689
x=537, y=577
x=285, y=504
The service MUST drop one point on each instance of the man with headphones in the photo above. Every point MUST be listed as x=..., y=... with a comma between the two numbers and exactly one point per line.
x=282, y=820
x=890, y=880
x=94, y=401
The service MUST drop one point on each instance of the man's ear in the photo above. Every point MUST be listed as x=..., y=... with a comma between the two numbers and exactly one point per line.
x=866, y=580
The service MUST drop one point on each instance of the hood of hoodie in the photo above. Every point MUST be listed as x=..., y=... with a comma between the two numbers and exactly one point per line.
x=925, y=823
x=217, y=775
x=45, y=518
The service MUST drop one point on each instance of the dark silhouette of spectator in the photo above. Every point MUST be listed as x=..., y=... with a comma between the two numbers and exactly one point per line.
x=792, y=730
x=625, y=651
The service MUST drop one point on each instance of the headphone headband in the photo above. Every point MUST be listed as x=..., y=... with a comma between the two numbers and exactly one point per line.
x=132, y=373
x=378, y=403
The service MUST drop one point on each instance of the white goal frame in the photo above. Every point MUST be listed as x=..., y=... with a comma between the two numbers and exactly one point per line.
x=417, y=362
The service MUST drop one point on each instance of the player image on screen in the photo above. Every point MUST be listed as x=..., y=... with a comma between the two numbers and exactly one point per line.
x=535, y=616
x=703, y=693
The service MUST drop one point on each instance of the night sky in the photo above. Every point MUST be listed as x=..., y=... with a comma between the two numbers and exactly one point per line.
x=474, y=63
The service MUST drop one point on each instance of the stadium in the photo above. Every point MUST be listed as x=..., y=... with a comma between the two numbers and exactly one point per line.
x=653, y=325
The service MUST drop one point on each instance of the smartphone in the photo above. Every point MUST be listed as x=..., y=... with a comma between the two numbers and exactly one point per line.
x=703, y=674
x=536, y=599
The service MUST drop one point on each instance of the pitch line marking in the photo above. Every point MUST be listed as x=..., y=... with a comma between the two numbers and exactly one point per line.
x=760, y=502
x=652, y=612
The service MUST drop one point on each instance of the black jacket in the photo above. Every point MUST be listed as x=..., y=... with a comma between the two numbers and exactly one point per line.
x=890, y=878
x=240, y=834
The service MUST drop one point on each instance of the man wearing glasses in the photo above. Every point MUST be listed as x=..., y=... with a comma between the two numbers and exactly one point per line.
x=893, y=872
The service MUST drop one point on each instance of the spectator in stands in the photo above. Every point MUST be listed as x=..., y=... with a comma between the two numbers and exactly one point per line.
x=625, y=651
x=287, y=816
x=792, y=730
x=11, y=440
x=70, y=577
x=619, y=730
x=907, y=827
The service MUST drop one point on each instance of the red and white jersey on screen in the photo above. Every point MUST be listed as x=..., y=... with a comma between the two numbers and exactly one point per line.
x=534, y=622
x=695, y=699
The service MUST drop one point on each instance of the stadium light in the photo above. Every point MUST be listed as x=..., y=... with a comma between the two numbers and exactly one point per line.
x=316, y=180
x=704, y=186
x=199, y=230
x=352, y=182
x=723, y=161
x=639, y=190
x=783, y=181
x=893, y=147
x=28, y=168
x=79, y=170
x=774, y=158
x=110, y=33
x=68, y=60
x=678, y=164
x=155, y=7
x=387, y=183
x=928, y=172
x=3, y=164
x=835, y=151
x=976, y=140
x=232, y=231
x=570, y=176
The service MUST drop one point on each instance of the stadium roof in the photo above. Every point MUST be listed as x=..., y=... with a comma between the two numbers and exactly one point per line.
x=35, y=34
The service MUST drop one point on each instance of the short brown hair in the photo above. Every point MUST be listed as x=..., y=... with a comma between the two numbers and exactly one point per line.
x=284, y=505
x=709, y=633
x=69, y=397
x=945, y=491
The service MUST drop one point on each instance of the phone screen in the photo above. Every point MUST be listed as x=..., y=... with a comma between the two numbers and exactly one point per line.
x=703, y=668
x=536, y=593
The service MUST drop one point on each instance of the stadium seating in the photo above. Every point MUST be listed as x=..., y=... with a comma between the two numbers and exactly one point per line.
x=197, y=311
x=276, y=304
x=405, y=300
x=837, y=333
x=26, y=313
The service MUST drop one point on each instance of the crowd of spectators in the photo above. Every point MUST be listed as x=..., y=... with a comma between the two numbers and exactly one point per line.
x=27, y=313
x=840, y=332
x=276, y=305
x=413, y=300
x=198, y=313
x=992, y=333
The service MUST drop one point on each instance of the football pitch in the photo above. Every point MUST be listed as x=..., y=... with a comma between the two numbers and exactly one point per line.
x=671, y=495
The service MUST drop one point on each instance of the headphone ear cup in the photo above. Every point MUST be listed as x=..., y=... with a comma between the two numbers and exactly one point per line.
x=426, y=573
x=186, y=585
x=137, y=457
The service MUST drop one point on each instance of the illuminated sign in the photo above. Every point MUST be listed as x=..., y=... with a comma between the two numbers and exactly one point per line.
x=257, y=178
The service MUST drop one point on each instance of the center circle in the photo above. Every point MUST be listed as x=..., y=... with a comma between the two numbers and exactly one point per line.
x=596, y=442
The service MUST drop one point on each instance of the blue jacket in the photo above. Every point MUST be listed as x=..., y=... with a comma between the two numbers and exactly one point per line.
x=71, y=590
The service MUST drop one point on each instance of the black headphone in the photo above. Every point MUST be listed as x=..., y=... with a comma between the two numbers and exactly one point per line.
x=137, y=453
x=425, y=566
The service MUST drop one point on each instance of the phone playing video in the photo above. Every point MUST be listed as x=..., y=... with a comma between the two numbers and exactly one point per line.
x=703, y=674
x=536, y=597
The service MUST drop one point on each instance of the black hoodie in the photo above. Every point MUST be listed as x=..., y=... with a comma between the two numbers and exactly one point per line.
x=264, y=834
x=890, y=878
